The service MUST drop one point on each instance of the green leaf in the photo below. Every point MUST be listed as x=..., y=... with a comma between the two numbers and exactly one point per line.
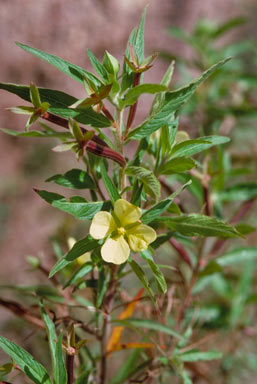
x=199, y=225
x=151, y=183
x=211, y=268
x=139, y=38
x=34, y=96
x=85, y=116
x=51, y=335
x=48, y=132
x=55, y=345
x=82, y=379
x=102, y=285
x=77, y=207
x=57, y=99
x=191, y=147
x=65, y=147
x=173, y=101
x=127, y=368
x=34, y=370
x=60, y=372
x=81, y=272
x=177, y=165
x=111, y=64
x=59, y=103
x=168, y=136
x=238, y=255
x=82, y=246
x=142, y=277
x=75, y=179
x=195, y=355
x=109, y=186
x=156, y=271
x=69, y=69
x=97, y=65
x=165, y=81
x=242, y=192
x=245, y=229
x=228, y=25
x=134, y=93
x=22, y=110
x=154, y=212
x=149, y=324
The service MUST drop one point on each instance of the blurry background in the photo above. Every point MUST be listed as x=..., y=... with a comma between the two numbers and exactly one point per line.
x=66, y=29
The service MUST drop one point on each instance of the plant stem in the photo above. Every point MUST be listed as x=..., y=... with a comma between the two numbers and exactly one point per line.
x=96, y=145
x=206, y=200
x=133, y=108
x=106, y=323
x=70, y=368
x=181, y=251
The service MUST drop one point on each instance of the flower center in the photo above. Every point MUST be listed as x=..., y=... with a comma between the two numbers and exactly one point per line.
x=121, y=231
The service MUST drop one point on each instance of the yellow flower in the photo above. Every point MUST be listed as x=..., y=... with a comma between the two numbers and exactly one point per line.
x=123, y=232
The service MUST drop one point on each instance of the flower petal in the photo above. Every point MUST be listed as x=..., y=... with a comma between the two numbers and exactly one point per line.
x=102, y=225
x=126, y=212
x=115, y=250
x=140, y=237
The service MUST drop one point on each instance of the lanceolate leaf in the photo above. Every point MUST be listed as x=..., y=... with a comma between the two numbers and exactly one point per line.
x=34, y=370
x=142, y=277
x=97, y=65
x=127, y=368
x=151, y=183
x=110, y=187
x=72, y=70
x=156, y=270
x=242, y=191
x=149, y=324
x=134, y=93
x=41, y=134
x=154, y=212
x=139, y=38
x=77, y=206
x=172, y=103
x=59, y=103
x=82, y=246
x=75, y=178
x=199, y=225
x=196, y=355
x=165, y=81
x=81, y=272
x=57, y=99
x=177, y=165
x=238, y=255
x=51, y=334
x=191, y=147
x=60, y=371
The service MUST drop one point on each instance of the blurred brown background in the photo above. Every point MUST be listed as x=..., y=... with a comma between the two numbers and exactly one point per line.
x=67, y=29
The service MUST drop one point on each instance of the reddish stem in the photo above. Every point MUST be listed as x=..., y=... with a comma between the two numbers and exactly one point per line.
x=96, y=145
x=107, y=113
x=207, y=207
x=181, y=251
x=133, y=108
x=70, y=368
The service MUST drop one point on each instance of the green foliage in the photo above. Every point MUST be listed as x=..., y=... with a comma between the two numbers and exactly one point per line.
x=35, y=371
x=74, y=179
x=163, y=276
